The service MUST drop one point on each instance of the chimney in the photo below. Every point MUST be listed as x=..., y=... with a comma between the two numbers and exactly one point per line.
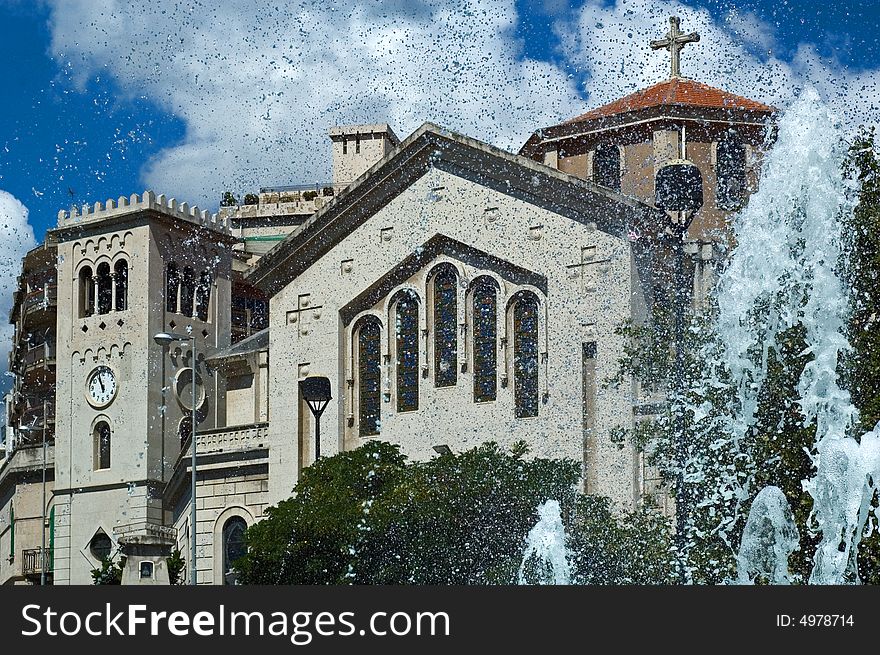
x=356, y=148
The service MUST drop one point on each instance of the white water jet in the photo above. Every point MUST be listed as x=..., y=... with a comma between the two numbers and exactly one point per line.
x=545, y=560
x=783, y=273
x=769, y=538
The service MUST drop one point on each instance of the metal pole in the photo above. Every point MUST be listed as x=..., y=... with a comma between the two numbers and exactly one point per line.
x=681, y=493
x=317, y=436
x=43, y=525
x=193, y=530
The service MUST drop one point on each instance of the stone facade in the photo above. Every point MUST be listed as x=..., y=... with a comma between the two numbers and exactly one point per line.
x=380, y=281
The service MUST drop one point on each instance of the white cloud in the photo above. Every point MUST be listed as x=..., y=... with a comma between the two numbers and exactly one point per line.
x=610, y=44
x=16, y=238
x=258, y=82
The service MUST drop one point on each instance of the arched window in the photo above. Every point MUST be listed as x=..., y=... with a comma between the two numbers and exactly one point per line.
x=203, y=296
x=187, y=291
x=120, y=278
x=102, y=445
x=86, y=292
x=369, y=366
x=525, y=355
x=234, y=547
x=105, y=289
x=730, y=169
x=485, y=331
x=406, y=348
x=445, y=319
x=172, y=287
x=606, y=167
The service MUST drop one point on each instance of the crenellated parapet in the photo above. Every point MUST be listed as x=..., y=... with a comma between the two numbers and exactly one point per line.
x=147, y=201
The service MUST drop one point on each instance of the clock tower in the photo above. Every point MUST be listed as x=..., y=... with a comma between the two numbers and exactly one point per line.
x=127, y=270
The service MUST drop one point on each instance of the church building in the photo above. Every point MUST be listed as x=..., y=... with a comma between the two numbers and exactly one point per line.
x=448, y=292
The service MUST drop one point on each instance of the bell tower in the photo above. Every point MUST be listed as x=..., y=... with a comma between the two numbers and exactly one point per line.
x=127, y=270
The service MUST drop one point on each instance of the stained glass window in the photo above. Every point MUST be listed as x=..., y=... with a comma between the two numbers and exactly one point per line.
x=407, y=351
x=234, y=547
x=445, y=328
x=369, y=377
x=525, y=356
x=485, y=331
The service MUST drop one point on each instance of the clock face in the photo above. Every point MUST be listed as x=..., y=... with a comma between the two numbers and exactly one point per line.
x=101, y=386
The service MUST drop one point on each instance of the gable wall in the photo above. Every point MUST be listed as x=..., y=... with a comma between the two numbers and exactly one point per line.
x=316, y=343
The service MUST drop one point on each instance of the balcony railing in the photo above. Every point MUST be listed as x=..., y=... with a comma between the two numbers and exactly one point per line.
x=39, y=355
x=243, y=437
x=32, y=562
x=40, y=299
x=34, y=415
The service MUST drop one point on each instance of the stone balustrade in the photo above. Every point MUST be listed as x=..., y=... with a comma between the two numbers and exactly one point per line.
x=241, y=437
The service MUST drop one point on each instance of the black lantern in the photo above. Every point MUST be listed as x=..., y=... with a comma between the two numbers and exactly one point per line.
x=316, y=392
x=679, y=187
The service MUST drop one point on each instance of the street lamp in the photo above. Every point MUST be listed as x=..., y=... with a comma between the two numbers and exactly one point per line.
x=679, y=191
x=316, y=392
x=165, y=339
x=31, y=428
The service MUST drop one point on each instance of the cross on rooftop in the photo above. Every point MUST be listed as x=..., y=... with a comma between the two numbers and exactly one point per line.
x=674, y=42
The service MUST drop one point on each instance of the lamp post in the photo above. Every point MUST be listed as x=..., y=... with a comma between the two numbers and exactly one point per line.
x=679, y=191
x=316, y=392
x=165, y=339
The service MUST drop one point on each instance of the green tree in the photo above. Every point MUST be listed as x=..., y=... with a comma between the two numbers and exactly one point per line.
x=862, y=368
x=175, y=564
x=370, y=517
x=110, y=571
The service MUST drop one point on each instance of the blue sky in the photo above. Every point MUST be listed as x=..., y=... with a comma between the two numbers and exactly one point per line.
x=87, y=116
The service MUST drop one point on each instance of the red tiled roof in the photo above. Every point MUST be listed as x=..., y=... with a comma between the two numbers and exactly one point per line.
x=675, y=91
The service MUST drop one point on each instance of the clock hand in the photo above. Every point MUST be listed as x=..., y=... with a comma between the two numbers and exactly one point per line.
x=101, y=382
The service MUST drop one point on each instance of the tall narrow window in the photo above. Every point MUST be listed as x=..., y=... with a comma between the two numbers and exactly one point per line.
x=105, y=289
x=445, y=328
x=606, y=167
x=731, y=172
x=525, y=356
x=407, y=352
x=485, y=331
x=102, y=445
x=172, y=287
x=233, y=547
x=203, y=296
x=187, y=291
x=86, y=292
x=120, y=279
x=369, y=376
